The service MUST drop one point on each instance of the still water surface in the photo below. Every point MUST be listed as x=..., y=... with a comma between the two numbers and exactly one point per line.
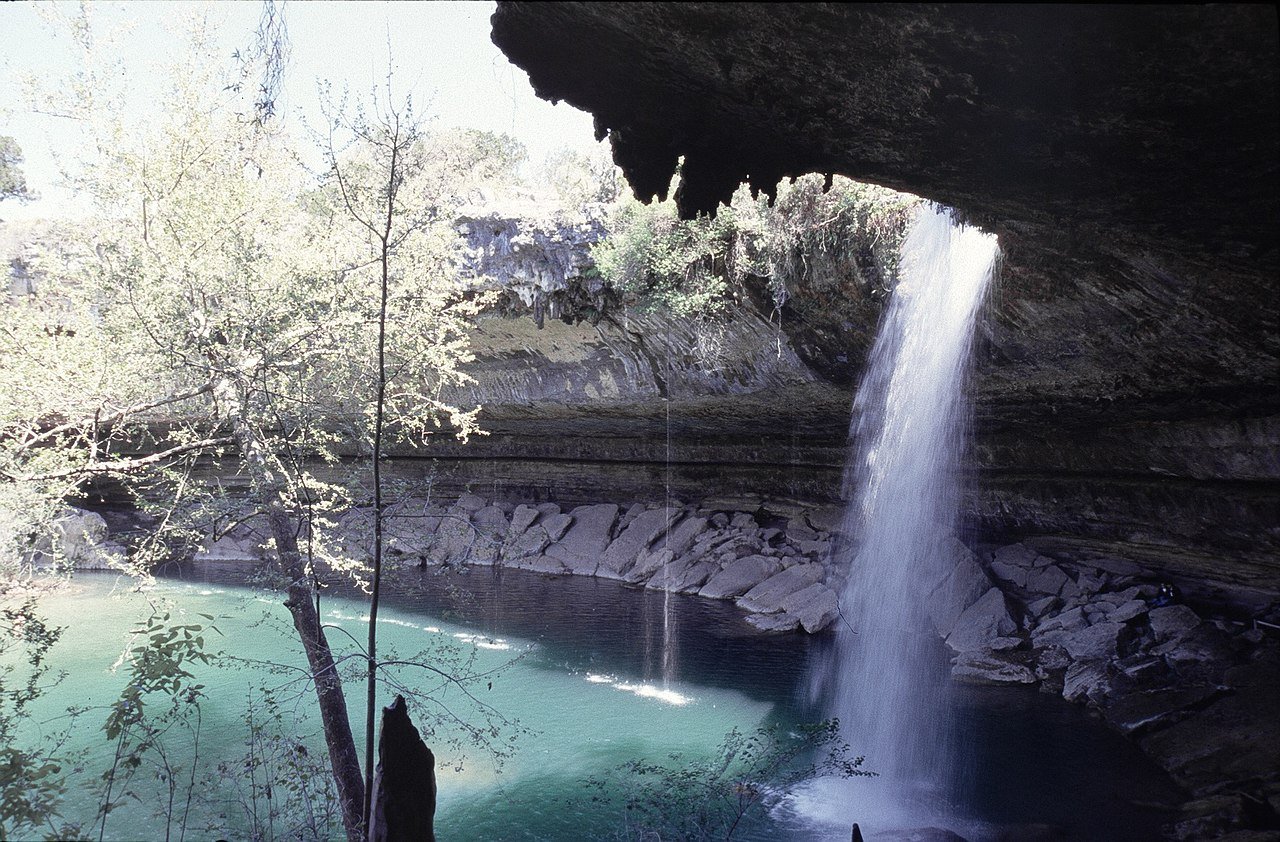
x=594, y=677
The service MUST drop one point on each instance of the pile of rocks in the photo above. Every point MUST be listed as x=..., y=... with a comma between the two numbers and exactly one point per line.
x=1198, y=692
x=779, y=573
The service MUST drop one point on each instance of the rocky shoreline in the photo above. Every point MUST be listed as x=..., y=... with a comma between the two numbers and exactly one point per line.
x=1194, y=684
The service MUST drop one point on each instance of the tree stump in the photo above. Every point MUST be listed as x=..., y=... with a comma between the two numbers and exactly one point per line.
x=404, y=783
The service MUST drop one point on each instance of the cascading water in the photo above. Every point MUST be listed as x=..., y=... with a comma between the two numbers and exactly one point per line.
x=885, y=680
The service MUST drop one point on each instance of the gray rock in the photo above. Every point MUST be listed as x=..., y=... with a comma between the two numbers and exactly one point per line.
x=817, y=549
x=1070, y=590
x=798, y=530
x=720, y=520
x=739, y=576
x=556, y=525
x=471, y=503
x=453, y=539
x=1097, y=642
x=633, y=511
x=80, y=539
x=540, y=564
x=686, y=533
x=767, y=597
x=548, y=509
x=533, y=541
x=622, y=552
x=826, y=518
x=1016, y=555
x=1172, y=622
x=1090, y=584
x=986, y=668
x=773, y=622
x=960, y=588
x=743, y=520
x=583, y=544
x=1005, y=644
x=1085, y=679
x=1042, y=606
x=688, y=579
x=1128, y=611
x=1010, y=573
x=816, y=607
x=491, y=531
x=647, y=565
x=981, y=623
x=522, y=518
x=1047, y=580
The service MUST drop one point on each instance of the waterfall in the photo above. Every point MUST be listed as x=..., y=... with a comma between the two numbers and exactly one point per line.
x=886, y=681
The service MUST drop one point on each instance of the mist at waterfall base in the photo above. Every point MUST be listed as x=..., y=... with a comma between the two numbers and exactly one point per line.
x=886, y=679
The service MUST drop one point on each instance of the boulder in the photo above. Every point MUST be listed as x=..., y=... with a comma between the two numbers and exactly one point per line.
x=960, y=588
x=976, y=667
x=773, y=622
x=1172, y=622
x=826, y=518
x=1042, y=606
x=739, y=576
x=453, y=540
x=1047, y=580
x=816, y=607
x=533, y=541
x=687, y=579
x=491, y=531
x=539, y=564
x=1085, y=679
x=1015, y=555
x=767, y=597
x=555, y=525
x=80, y=539
x=585, y=541
x=1094, y=643
x=981, y=623
x=647, y=565
x=471, y=503
x=548, y=509
x=622, y=552
x=798, y=530
x=686, y=533
x=1010, y=573
x=1127, y=611
x=522, y=518
x=744, y=520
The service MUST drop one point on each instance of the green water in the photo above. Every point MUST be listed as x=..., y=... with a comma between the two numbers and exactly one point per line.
x=596, y=674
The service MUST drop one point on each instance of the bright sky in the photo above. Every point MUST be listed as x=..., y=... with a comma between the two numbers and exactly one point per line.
x=441, y=53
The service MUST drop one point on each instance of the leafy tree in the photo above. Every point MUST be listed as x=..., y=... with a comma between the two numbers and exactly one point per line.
x=13, y=184
x=217, y=306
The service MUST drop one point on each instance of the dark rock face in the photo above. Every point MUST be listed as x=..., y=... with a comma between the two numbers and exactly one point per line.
x=1126, y=156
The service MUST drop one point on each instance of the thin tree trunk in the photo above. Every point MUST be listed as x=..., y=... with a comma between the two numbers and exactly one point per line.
x=343, y=758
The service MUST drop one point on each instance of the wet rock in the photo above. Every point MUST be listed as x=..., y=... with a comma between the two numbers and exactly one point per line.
x=982, y=622
x=739, y=576
x=826, y=518
x=767, y=597
x=540, y=564
x=744, y=520
x=622, y=552
x=1085, y=679
x=1150, y=710
x=773, y=622
x=582, y=545
x=815, y=549
x=816, y=607
x=491, y=531
x=960, y=588
x=977, y=667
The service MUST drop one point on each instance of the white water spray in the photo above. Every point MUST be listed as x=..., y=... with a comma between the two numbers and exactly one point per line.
x=885, y=681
